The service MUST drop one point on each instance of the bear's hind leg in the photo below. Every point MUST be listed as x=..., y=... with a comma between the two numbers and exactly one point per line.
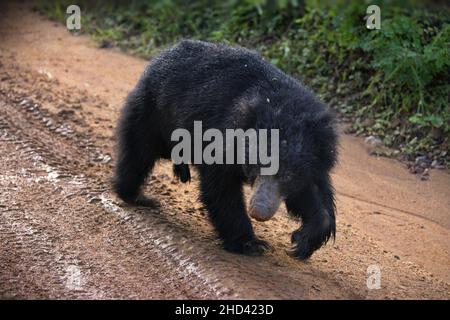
x=138, y=150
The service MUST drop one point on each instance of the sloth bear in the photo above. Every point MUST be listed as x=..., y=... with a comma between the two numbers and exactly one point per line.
x=233, y=87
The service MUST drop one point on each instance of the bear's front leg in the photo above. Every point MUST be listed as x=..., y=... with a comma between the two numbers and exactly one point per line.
x=221, y=193
x=315, y=206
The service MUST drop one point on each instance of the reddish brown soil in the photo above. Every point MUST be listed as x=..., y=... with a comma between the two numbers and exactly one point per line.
x=63, y=234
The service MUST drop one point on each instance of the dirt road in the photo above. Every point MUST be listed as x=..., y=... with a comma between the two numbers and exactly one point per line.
x=63, y=234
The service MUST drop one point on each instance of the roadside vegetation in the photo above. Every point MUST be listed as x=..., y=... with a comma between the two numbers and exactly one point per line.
x=391, y=83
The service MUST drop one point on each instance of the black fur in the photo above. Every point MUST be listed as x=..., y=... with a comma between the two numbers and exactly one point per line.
x=231, y=87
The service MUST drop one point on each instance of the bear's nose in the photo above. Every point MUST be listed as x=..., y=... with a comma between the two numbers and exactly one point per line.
x=266, y=198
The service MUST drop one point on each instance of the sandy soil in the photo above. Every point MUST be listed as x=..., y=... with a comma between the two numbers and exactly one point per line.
x=63, y=234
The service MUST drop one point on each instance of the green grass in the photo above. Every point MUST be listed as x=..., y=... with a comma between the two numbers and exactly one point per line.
x=392, y=82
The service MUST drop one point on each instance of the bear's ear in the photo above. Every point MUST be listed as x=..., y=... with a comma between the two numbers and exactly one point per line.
x=246, y=108
x=327, y=121
x=326, y=138
x=248, y=102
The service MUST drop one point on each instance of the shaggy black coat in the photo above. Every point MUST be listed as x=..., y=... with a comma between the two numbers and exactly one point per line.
x=231, y=87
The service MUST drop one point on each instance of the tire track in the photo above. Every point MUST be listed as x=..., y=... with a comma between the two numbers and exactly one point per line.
x=54, y=150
